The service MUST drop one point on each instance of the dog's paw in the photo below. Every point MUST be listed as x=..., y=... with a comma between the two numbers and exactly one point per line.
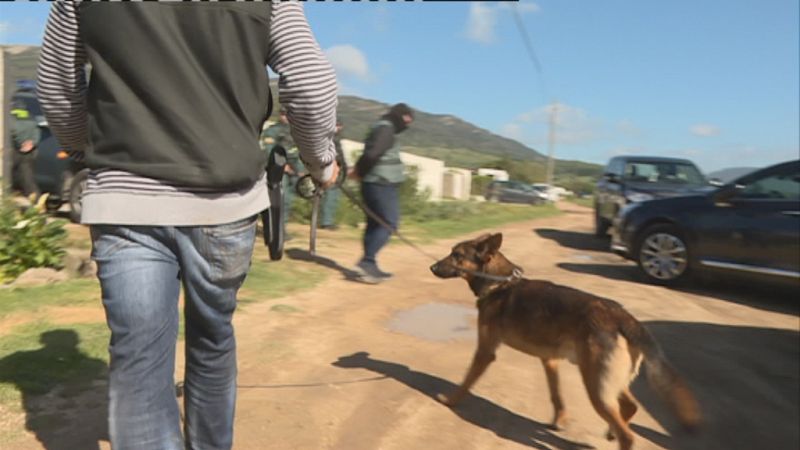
x=559, y=422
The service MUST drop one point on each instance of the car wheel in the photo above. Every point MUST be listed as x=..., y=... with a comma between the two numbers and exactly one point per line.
x=601, y=225
x=494, y=198
x=663, y=255
x=52, y=205
x=76, y=188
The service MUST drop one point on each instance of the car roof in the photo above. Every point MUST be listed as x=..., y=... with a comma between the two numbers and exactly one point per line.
x=653, y=159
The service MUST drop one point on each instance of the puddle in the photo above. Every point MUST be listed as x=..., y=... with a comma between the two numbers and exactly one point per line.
x=436, y=322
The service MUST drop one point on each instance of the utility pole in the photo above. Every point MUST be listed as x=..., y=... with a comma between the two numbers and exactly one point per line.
x=551, y=142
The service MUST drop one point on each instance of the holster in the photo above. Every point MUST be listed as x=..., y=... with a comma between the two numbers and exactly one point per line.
x=272, y=218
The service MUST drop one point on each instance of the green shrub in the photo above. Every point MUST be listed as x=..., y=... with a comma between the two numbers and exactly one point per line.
x=480, y=183
x=28, y=239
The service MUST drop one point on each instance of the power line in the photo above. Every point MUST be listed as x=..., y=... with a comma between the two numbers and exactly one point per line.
x=551, y=135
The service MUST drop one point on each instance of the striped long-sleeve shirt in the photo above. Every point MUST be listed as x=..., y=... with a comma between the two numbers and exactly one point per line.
x=307, y=90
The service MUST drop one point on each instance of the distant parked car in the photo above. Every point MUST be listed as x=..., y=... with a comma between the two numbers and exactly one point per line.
x=748, y=227
x=632, y=179
x=514, y=192
x=54, y=171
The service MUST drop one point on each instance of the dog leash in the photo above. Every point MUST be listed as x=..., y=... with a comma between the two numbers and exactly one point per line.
x=312, y=194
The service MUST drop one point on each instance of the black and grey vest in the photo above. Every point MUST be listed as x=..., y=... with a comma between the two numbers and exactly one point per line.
x=389, y=169
x=178, y=91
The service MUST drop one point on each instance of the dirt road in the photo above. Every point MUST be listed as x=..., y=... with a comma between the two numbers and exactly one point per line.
x=350, y=366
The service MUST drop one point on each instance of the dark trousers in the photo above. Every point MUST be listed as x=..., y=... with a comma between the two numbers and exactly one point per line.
x=383, y=200
x=23, y=172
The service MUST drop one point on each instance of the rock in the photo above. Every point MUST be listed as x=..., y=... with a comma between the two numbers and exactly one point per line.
x=39, y=276
x=88, y=269
x=79, y=264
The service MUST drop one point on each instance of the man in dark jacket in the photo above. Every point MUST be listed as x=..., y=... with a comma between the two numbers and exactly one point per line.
x=25, y=136
x=381, y=173
x=173, y=111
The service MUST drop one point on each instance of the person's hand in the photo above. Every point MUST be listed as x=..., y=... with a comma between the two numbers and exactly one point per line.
x=353, y=175
x=26, y=146
x=288, y=170
x=334, y=176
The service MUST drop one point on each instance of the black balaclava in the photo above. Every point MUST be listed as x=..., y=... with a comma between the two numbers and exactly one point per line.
x=395, y=115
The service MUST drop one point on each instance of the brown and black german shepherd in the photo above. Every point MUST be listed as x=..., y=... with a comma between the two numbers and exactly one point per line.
x=556, y=322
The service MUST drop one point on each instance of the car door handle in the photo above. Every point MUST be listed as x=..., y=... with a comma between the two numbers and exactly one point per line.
x=791, y=213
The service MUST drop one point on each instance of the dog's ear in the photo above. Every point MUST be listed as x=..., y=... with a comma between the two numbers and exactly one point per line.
x=489, y=245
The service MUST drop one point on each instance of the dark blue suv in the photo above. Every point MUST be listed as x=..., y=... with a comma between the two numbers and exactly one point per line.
x=634, y=179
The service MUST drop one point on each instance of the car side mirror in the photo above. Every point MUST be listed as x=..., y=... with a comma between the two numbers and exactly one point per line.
x=716, y=182
x=611, y=177
x=727, y=192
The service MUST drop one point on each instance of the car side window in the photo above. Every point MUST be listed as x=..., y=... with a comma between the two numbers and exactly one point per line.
x=780, y=186
x=616, y=167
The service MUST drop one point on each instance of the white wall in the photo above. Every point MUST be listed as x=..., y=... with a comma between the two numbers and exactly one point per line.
x=430, y=173
x=497, y=174
x=457, y=184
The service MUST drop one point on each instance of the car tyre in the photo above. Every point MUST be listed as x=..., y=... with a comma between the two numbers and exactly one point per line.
x=76, y=188
x=663, y=256
x=52, y=205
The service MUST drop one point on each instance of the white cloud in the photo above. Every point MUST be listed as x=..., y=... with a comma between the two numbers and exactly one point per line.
x=348, y=61
x=522, y=6
x=628, y=129
x=573, y=125
x=704, y=130
x=482, y=19
x=512, y=131
x=481, y=23
x=379, y=19
x=5, y=27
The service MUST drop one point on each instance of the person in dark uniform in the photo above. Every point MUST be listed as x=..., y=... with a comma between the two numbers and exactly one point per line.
x=25, y=136
x=381, y=173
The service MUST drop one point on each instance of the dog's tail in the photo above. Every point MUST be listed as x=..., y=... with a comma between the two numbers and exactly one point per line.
x=663, y=378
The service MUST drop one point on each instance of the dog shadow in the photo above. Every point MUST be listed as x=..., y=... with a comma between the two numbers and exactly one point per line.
x=575, y=240
x=474, y=409
x=746, y=379
x=305, y=255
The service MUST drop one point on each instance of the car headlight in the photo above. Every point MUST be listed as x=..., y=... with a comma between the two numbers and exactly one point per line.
x=636, y=197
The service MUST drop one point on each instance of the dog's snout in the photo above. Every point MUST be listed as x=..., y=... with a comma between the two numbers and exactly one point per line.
x=434, y=267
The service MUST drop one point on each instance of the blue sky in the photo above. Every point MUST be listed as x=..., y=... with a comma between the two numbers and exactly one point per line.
x=716, y=81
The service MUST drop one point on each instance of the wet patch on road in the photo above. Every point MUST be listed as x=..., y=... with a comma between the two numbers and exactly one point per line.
x=436, y=322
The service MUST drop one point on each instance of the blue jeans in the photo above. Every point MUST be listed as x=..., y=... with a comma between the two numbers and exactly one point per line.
x=141, y=270
x=328, y=207
x=383, y=200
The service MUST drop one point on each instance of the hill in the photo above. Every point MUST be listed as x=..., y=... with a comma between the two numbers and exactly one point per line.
x=434, y=133
x=461, y=144
x=730, y=174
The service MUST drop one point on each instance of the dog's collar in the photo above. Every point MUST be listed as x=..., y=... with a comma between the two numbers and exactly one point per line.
x=516, y=274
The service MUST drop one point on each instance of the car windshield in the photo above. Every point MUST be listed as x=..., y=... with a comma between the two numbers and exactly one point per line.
x=520, y=186
x=663, y=172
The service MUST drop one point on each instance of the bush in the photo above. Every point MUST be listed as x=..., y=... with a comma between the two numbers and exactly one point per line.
x=480, y=183
x=28, y=239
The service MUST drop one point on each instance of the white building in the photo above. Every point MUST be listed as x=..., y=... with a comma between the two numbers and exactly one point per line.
x=497, y=174
x=440, y=181
x=457, y=184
